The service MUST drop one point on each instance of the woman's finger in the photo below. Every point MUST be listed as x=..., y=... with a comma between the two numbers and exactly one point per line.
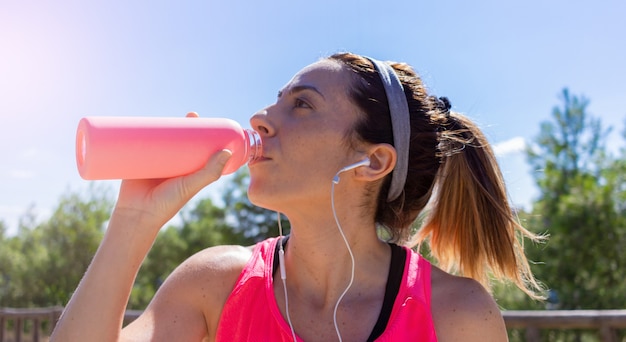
x=212, y=171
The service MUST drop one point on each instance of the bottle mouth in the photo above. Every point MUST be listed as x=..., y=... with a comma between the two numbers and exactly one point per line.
x=255, y=145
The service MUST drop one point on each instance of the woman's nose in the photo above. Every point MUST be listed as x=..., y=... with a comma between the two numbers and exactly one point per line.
x=260, y=123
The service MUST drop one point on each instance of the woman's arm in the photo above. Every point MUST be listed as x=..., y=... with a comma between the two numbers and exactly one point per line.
x=96, y=309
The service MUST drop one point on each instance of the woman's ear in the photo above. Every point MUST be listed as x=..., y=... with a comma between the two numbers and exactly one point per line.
x=382, y=161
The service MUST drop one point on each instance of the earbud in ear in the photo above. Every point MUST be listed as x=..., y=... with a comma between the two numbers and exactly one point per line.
x=364, y=162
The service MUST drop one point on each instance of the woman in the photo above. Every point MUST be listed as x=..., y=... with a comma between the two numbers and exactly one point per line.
x=352, y=145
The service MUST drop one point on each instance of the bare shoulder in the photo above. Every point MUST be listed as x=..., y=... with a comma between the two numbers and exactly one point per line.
x=222, y=260
x=190, y=301
x=463, y=310
x=210, y=274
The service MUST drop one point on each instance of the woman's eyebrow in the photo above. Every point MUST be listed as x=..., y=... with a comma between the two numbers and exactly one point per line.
x=299, y=88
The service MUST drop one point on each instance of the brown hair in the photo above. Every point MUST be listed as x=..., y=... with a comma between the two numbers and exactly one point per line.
x=470, y=227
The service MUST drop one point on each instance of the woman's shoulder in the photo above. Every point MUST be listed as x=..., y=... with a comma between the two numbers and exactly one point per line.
x=193, y=295
x=462, y=309
x=213, y=271
x=222, y=259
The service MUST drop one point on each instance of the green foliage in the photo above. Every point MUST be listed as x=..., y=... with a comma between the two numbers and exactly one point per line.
x=581, y=207
x=257, y=223
x=43, y=263
x=8, y=264
x=582, y=189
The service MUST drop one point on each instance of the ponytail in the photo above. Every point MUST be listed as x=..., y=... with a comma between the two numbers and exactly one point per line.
x=471, y=228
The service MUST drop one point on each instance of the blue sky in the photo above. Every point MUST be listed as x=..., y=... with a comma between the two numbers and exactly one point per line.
x=503, y=63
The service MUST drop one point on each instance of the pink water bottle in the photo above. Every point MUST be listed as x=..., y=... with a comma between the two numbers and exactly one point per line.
x=157, y=147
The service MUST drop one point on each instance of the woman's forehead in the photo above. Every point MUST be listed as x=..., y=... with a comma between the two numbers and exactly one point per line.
x=324, y=65
x=324, y=74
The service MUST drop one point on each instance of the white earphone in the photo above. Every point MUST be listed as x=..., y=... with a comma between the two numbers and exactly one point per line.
x=364, y=162
x=281, y=252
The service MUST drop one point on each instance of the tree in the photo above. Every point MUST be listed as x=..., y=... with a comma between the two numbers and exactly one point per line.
x=567, y=148
x=47, y=260
x=255, y=222
x=44, y=262
x=577, y=208
x=8, y=265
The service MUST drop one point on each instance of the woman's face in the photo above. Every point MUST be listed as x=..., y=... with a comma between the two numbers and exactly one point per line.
x=304, y=139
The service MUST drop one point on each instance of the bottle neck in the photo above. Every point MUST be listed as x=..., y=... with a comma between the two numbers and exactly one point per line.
x=254, y=145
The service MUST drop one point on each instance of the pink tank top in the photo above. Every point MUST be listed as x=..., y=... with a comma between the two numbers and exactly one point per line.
x=251, y=313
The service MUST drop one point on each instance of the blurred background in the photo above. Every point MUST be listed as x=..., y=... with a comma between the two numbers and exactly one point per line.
x=544, y=80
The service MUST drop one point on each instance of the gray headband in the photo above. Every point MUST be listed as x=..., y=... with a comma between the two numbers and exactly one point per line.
x=400, y=124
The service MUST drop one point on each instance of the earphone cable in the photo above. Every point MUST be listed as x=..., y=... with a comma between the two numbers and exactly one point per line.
x=281, y=256
x=283, y=274
x=345, y=240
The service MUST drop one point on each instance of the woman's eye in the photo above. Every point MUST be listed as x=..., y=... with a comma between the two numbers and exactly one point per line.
x=299, y=103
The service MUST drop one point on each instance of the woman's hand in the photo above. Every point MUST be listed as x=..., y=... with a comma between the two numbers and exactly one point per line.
x=156, y=201
x=143, y=207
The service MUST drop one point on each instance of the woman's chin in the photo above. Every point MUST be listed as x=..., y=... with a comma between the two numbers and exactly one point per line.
x=258, y=199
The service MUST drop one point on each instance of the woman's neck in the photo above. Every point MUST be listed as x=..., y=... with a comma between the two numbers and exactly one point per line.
x=319, y=264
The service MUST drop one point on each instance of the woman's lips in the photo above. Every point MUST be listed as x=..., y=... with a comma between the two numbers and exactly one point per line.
x=258, y=160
